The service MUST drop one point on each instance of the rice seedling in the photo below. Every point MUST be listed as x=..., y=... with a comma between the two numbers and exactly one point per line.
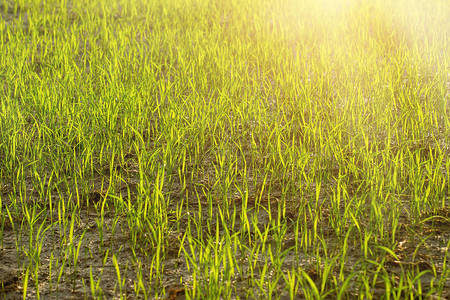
x=224, y=149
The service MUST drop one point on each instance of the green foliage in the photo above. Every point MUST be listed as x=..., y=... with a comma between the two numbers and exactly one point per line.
x=259, y=148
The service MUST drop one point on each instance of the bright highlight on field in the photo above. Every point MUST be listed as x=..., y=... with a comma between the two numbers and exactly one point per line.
x=227, y=149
